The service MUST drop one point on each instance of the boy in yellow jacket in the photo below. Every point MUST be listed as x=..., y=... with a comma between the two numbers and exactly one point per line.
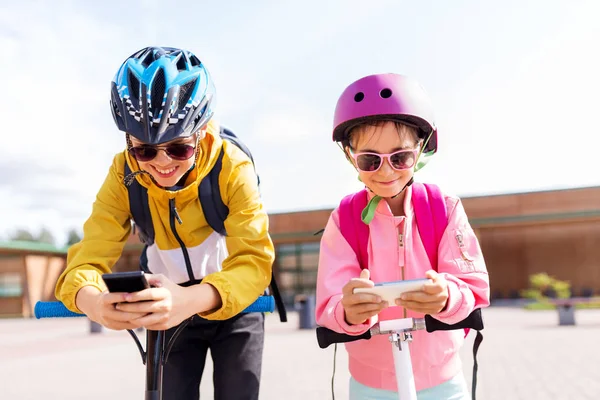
x=163, y=99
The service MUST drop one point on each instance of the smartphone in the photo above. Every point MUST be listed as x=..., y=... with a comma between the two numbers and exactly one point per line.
x=125, y=282
x=390, y=291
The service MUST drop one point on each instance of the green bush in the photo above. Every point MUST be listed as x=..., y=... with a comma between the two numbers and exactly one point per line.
x=543, y=287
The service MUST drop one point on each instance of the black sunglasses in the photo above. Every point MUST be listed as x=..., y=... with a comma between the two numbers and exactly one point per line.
x=176, y=151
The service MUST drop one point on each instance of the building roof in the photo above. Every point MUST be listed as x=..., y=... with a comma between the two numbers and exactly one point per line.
x=23, y=246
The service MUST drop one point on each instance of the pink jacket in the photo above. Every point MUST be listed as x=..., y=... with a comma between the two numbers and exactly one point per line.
x=393, y=244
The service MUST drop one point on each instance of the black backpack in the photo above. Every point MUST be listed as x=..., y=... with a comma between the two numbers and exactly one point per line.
x=209, y=195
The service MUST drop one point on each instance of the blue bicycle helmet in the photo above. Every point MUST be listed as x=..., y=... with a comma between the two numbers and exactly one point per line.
x=162, y=93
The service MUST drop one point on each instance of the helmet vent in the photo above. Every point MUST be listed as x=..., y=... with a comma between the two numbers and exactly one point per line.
x=158, y=90
x=148, y=59
x=199, y=116
x=139, y=53
x=134, y=85
x=358, y=97
x=185, y=93
x=385, y=93
x=116, y=109
x=194, y=60
x=181, y=62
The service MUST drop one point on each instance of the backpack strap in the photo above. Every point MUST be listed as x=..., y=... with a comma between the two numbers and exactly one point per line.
x=215, y=211
x=353, y=229
x=432, y=219
x=140, y=211
x=209, y=195
x=431, y=216
x=476, y=343
x=229, y=135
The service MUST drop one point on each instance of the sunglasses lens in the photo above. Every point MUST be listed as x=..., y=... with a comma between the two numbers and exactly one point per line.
x=368, y=162
x=143, y=153
x=403, y=160
x=180, y=152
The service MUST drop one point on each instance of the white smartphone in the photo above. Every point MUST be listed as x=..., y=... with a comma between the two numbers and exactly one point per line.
x=390, y=291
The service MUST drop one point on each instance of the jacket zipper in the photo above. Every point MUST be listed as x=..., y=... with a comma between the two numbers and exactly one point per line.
x=401, y=261
x=174, y=215
x=400, y=252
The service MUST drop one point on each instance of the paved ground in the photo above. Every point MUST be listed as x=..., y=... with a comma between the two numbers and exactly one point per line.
x=524, y=355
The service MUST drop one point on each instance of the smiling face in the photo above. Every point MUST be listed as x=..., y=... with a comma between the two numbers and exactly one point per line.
x=171, y=161
x=392, y=150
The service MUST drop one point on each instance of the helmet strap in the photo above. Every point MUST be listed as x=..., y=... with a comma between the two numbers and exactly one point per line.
x=197, y=151
x=423, y=157
x=368, y=213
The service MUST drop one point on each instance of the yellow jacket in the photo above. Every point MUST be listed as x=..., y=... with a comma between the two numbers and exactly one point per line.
x=237, y=265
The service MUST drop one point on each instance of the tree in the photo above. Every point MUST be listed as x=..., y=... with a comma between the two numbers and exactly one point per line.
x=22, y=234
x=45, y=236
x=73, y=237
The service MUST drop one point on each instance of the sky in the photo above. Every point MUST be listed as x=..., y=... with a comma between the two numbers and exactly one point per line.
x=515, y=85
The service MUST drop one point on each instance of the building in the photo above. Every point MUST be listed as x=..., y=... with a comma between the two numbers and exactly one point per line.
x=28, y=274
x=557, y=232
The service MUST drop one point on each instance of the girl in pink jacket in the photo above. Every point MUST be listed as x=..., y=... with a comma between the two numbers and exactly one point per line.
x=386, y=129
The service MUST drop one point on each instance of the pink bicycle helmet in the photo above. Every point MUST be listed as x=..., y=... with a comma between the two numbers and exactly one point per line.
x=385, y=97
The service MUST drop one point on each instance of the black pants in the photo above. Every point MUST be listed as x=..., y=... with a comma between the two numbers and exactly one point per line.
x=236, y=347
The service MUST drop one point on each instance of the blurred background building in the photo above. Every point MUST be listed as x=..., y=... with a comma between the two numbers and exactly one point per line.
x=556, y=232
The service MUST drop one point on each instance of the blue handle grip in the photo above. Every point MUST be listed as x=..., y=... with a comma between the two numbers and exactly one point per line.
x=262, y=304
x=53, y=309
x=56, y=309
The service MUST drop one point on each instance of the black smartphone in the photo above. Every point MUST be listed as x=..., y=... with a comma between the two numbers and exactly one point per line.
x=125, y=282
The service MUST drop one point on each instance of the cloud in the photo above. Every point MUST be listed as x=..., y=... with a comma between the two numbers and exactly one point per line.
x=528, y=124
x=304, y=174
x=33, y=187
x=34, y=195
x=504, y=91
x=289, y=124
x=58, y=137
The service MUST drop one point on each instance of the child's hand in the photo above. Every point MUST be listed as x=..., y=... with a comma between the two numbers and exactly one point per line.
x=164, y=305
x=359, y=307
x=100, y=307
x=431, y=299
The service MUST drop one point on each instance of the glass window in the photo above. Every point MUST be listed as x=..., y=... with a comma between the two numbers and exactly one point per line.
x=296, y=267
x=11, y=284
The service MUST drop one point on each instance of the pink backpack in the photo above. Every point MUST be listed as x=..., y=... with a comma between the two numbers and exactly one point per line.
x=432, y=219
x=430, y=213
